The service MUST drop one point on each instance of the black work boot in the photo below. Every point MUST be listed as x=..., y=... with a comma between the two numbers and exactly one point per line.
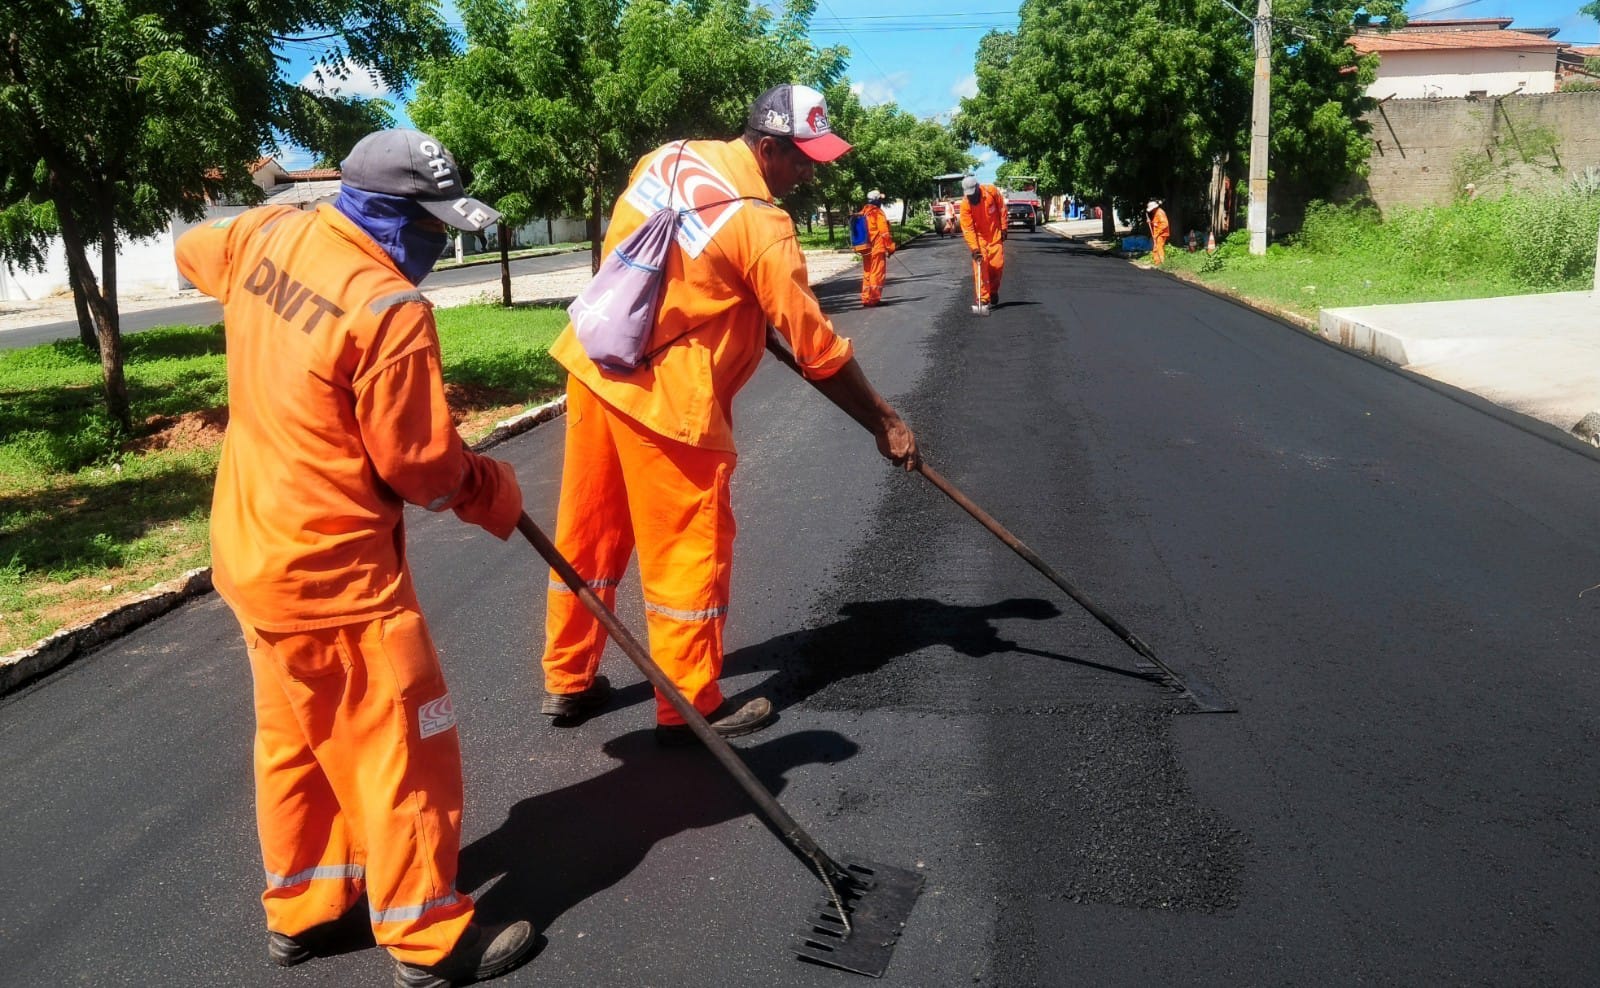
x=286, y=951
x=483, y=952
x=351, y=931
x=577, y=704
x=727, y=720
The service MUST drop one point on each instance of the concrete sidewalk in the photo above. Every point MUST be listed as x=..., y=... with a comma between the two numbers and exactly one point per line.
x=1538, y=355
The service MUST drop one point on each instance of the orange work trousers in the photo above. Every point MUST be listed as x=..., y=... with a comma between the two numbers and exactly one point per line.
x=986, y=272
x=625, y=487
x=358, y=782
x=874, y=270
x=1158, y=249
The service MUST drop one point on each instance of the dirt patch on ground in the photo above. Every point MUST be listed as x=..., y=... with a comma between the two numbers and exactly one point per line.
x=192, y=430
x=473, y=409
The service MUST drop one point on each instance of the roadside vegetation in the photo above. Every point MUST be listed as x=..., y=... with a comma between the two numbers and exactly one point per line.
x=493, y=256
x=89, y=520
x=1517, y=244
x=819, y=237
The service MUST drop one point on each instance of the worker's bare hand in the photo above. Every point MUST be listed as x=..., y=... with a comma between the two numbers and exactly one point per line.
x=899, y=446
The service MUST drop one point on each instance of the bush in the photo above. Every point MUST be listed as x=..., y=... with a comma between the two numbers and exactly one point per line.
x=1553, y=242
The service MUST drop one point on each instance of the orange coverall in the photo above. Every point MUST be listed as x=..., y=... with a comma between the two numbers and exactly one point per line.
x=984, y=227
x=875, y=259
x=1160, y=230
x=337, y=418
x=650, y=452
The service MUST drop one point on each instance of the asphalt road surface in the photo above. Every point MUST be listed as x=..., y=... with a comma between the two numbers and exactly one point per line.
x=208, y=311
x=1394, y=584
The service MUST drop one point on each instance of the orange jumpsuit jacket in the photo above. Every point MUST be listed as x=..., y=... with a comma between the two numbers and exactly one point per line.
x=879, y=236
x=984, y=223
x=737, y=269
x=337, y=418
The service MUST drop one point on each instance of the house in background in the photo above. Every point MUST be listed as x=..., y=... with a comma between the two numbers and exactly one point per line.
x=1466, y=58
x=1572, y=65
x=147, y=267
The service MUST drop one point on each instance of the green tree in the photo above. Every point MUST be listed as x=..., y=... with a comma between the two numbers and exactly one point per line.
x=1318, y=135
x=1123, y=100
x=891, y=150
x=119, y=114
x=555, y=100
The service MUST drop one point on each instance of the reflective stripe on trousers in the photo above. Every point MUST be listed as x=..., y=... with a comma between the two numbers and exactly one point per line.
x=358, y=782
x=623, y=488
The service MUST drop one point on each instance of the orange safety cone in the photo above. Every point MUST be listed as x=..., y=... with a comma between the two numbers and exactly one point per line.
x=1211, y=242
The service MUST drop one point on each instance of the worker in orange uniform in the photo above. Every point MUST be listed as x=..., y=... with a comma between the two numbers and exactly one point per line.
x=1160, y=230
x=337, y=419
x=650, y=452
x=880, y=244
x=983, y=223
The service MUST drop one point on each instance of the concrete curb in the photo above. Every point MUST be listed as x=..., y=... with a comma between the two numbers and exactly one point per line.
x=69, y=643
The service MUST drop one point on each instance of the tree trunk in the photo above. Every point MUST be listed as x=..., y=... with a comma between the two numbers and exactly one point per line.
x=111, y=328
x=102, y=308
x=505, y=263
x=1108, y=218
x=593, y=222
x=80, y=304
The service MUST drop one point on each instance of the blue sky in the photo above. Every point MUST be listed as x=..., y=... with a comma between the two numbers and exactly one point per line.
x=919, y=53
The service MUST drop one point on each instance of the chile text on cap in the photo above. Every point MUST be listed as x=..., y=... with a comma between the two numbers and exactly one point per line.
x=799, y=113
x=409, y=163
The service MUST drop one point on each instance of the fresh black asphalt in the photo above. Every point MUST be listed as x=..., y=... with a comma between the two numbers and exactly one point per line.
x=1395, y=588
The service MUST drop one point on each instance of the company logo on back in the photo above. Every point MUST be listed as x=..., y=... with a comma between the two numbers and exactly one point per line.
x=436, y=716
x=694, y=185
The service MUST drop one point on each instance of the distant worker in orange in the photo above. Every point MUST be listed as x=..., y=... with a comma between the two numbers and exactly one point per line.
x=337, y=420
x=880, y=244
x=983, y=224
x=649, y=451
x=1160, y=230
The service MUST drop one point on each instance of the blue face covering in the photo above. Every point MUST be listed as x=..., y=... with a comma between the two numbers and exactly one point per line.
x=390, y=222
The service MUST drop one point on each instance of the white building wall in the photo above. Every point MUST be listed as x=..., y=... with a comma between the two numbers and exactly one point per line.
x=147, y=267
x=143, y=267
x=1430, y=75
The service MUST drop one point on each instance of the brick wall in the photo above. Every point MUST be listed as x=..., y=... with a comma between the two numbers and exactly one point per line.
x=1425, y=150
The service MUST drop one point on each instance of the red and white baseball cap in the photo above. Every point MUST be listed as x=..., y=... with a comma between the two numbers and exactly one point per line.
x=798, y=113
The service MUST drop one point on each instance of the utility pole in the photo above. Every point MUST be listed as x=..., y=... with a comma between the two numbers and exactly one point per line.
x=1260, y=121
x=1597, y=264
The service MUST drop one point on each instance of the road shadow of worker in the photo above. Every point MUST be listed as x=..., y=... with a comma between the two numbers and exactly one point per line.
x=870, y=634
x=557, y=849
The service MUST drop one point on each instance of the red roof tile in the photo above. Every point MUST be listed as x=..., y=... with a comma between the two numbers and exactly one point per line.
x=1453, y=41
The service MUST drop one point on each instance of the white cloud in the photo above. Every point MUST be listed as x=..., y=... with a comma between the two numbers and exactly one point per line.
x=873, y=92
x=966, y=88
x=358, y=80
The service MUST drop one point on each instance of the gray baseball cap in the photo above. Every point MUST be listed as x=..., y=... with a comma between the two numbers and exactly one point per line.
x=409, y=163
x=969, y=186
x=798, y=113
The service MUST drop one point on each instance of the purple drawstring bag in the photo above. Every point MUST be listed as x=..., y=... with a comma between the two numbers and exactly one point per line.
x=616, y=311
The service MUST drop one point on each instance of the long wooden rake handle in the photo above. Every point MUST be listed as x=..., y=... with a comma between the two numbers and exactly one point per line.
x=833, y=874
x=1017, y=545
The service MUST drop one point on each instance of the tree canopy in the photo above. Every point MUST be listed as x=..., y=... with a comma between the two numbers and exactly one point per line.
x=119, y=114
x=554, y=101
x=1123, y=100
